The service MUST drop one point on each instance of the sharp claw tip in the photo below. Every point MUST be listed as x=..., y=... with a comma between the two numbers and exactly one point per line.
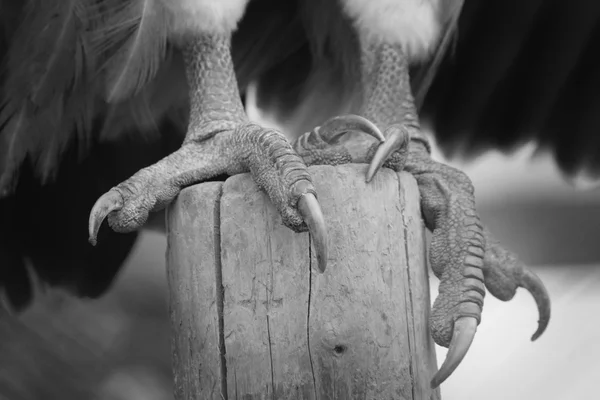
x=438, y=379
x=93, y=234
x=322, y=266
x=313, y=216
x=541, y=329
x=372, y=171
x=462, y=337
x=435, y=382
x=107, y=203
x=534, y=285
x=380, y=156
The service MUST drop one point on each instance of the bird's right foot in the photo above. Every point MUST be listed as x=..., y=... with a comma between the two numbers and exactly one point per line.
x=220, y=141
x=247, y=147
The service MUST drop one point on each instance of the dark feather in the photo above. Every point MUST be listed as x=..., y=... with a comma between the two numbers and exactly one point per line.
x=40, y=227
x=13, y=145
x=42, y=68
x=422, y=80
x=521, y=71
x=52, y=118
x=268, y=34
x=318, y=80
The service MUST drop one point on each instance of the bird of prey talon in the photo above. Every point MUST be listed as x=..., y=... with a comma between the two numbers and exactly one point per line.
x=459, y=255
x=220, y=140
x=344, y=139
x=114, y=106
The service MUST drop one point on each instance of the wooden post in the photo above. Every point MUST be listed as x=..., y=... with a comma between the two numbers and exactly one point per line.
x=253, y=319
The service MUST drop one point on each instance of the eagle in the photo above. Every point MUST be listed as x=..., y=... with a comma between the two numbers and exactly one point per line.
x=108, y=108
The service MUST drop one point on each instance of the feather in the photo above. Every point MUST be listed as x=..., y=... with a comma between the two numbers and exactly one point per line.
x=77, y=113
x=12, y=148
x=421, y=81
x=9, y=18
x=45, y=62
x=261, y=43
x=49, y=48
x=131, y=116
x=319, y=79
x=522, y=72
x=80, y=111
x=142, y=113
x=46, y=157
x=132, y=40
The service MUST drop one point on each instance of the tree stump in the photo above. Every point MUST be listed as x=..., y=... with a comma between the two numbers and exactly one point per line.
x=252, y=318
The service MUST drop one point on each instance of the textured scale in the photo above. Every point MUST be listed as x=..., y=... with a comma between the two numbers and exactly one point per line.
x=218, y=107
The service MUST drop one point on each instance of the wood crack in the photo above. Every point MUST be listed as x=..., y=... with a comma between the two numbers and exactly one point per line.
x=271, y=359
x=312, y=367
x=220, y=293
x=409, y=310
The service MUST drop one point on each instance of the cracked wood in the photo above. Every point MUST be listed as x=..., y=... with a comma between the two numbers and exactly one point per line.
x=357, y=331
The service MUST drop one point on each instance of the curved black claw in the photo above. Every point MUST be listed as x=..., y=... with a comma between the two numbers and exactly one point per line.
x=462, y=337
x=532, y=283
x=107, y=203
x=397, y=139
x=309, y=208
x=504, y=274
x=336, y=127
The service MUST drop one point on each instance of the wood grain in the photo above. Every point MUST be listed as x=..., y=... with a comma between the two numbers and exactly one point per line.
x=192, y=260
x=357, y=331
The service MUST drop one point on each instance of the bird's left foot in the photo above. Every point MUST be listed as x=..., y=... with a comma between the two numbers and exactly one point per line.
x=339, y=141
x=462, y=254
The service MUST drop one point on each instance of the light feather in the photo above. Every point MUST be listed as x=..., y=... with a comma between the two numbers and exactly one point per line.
x=133, y=41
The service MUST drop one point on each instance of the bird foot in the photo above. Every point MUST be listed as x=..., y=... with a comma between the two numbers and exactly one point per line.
x=462, y=253
x=265, y=153
x=341, y=140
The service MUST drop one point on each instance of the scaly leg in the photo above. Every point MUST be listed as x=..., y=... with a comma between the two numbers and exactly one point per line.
x=220, y=140
x=462, y=254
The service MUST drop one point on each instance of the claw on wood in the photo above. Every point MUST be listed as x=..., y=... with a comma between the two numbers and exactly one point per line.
x=107, y=203
x=462, y=337
x=309, y=208
x=336, y=127
x=397, y=139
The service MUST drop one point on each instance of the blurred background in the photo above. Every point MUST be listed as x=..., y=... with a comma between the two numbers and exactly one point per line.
x=118, y=347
